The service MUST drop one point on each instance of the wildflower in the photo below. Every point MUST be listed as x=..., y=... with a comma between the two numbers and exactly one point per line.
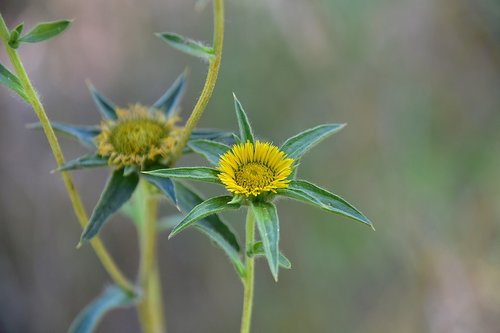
x=138, y=137
x=256, y=173
x=130, y=140
x=250, y=169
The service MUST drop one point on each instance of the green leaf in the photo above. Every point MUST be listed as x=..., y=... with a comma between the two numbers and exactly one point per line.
x=104, y=105
x=246, y=132
x=12, y=82
x=258, y=250
x=191, y=173
x=118, y=190
x=169, y=101
x=307, y=192
x=166, y=185
x=14, y=36
x=298, y=145
x=206, y=208
x=83, y=162
x=268, y=225
x=44, y=31
x=112, y=298
x=210, y=134
x=223, y=137
x=84, y=134
x=211, y=225
x=284, y=262
x=187, y=45
x=211, y=150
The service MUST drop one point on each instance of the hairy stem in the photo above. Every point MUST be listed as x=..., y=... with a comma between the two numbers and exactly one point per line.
x=248, y=280
x=150, y=308
x=208, y=88
x=32, y=97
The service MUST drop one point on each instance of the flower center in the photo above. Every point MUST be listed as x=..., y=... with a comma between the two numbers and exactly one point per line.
x=137, y=136
x=254, y=175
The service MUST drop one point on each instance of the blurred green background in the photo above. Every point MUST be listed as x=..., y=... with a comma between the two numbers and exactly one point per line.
x=418, y=83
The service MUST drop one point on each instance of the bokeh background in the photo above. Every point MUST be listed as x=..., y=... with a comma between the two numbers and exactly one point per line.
x=417, y=81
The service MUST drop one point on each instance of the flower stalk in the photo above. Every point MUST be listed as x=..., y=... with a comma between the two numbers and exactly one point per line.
x=33, y=99
x=150, y=308
x=248, y=279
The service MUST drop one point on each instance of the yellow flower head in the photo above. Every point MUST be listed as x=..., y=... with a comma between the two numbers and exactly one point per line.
x=250, y=170
x=138, y=136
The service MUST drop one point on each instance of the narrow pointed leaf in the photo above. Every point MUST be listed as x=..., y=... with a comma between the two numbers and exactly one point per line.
x=307, y=192
x=298, y=145
x=211, y=225
x=12, y=82
x=268, y=226
x=166, y=185
x=246, y=132
x=44, y=31
x=210, y=134
x=118, y=190
x=169, y=101
x=191, y=173
x=206, y=208
x=14, y=36
x=112, y=298
x=106, y=107
x=84, y=134
x=258, y=250
x=223, y=137
x=211, y=150
x=187, y=45
x=83, y=162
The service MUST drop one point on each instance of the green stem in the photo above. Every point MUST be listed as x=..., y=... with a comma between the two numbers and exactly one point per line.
x=151, y=307
x=32, y=97
x=248, y=280
x=208, y=88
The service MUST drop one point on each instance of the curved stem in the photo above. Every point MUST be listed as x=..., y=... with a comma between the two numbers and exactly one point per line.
x=248, y=281
x=151, y=307
x=76, y=202
x=208, y=88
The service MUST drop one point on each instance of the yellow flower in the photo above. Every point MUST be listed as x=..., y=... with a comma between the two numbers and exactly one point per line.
x=137, y=137
x=250, y=170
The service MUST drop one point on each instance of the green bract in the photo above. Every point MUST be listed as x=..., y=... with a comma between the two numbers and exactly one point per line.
x=260, y=203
